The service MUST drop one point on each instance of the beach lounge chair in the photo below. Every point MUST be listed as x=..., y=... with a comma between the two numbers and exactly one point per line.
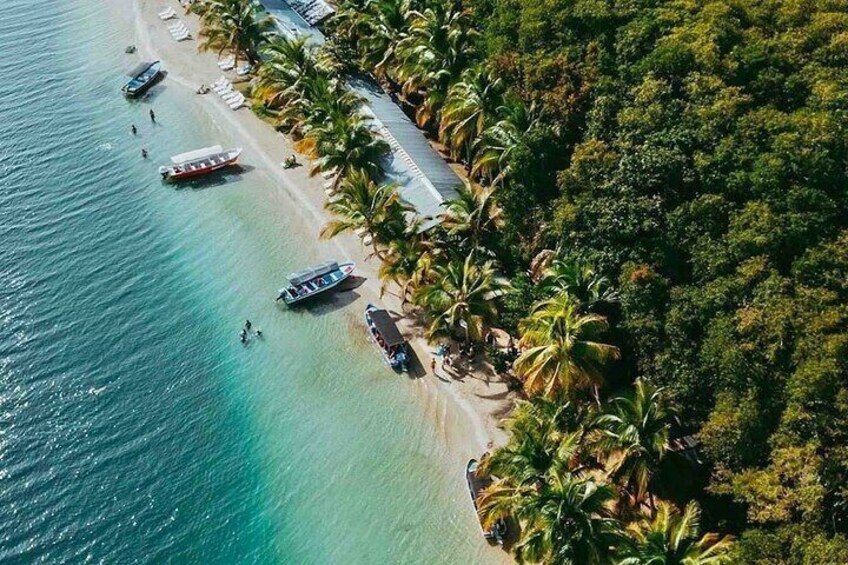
x=225, y=90
x=230, y=96
x=176, y=25
x=227, y=64
x=237, y=103
x=182, y=36
x=167, y=14
x=243, y=70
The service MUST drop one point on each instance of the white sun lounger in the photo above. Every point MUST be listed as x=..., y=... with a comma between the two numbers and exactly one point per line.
x=177, y=25
x=220, y=82
x=167, y=14
x=238, y=103
x=224, y=90
x=227, y=64
x=230, y=96
x=182, y=36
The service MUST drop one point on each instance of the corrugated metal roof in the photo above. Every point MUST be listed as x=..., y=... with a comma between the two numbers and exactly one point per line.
x=425, y=180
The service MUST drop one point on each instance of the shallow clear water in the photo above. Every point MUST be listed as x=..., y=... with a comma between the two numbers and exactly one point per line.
x=133, y=425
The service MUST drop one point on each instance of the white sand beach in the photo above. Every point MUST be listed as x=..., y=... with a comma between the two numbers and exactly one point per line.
x=467, y=407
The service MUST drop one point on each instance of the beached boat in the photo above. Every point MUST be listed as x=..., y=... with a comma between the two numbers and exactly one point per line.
x=143, y=77
x=475, y=486
x=313, y=281
x=385, y=334
x=199, y=162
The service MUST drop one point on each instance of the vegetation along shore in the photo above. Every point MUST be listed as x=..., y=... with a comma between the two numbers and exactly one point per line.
x=654, y=208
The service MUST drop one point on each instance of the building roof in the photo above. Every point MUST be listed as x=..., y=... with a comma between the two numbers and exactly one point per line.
x=424, y=179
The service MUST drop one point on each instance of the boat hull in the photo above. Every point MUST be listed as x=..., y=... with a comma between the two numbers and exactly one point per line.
x=399, y=365
x=498, y=531
x=139, y=84
x=200, y=172
x=200, y=167
x=346, y=271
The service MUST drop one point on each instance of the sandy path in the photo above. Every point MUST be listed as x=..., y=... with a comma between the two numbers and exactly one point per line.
x=467, y=406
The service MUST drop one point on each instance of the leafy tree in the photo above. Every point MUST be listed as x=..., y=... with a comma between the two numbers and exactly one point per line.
x=560, y=348
x=672, y=538
x=460, y=297
x=366, y=205
x=634, y=438
x=236, y=26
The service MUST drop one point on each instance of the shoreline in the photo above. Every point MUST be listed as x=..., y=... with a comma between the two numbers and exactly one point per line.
x=475, y=401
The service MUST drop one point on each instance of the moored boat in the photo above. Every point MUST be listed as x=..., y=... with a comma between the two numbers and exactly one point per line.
x=313, y=281
x=199, y=162
x=384, y=332
x=143, y=77
x=475, y=486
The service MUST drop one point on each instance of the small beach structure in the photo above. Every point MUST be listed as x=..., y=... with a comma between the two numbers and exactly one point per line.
x=313, y=281
x=475, y=486
x=385, y=334
x=312, y=11
x=199, y=162
x=144, y=76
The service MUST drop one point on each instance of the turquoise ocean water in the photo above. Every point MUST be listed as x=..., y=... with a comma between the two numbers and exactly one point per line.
x=133, y=425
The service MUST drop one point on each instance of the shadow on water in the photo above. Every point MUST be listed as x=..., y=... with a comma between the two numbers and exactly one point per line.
x=323, y=303
x=231, y=175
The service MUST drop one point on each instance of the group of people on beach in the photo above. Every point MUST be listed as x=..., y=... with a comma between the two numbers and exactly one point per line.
x=245, y=332
x=134, y=131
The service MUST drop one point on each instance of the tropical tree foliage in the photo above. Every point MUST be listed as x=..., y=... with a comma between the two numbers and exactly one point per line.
x=688, y=161
x=458, y=296
x=561, y=348
x=673, y=538
x=235, y=26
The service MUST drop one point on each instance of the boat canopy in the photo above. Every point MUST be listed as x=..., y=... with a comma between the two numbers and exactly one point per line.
x=387, y=327
x=197, y=154
x=141, y=67
x=301, y=277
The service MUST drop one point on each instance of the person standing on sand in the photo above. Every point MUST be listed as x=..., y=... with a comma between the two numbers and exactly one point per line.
x=152, y=116
x=433, y=365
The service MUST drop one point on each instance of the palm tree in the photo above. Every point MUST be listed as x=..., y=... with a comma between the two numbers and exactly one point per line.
x=437, y=48
x=287, y=67
x=474, y=215
x=671, y=538
x=366, y=205
x=385, y=24
x=234, y=25
x=565, y=520
x=543, y=433
x=494, y=149
x=407, y=262
x=471, y=102
x=634, y=432
x=560, y=348
x=580, y=280
x=344, y=144
x=460, y=295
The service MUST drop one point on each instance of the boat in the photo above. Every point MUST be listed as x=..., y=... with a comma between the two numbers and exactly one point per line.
x=385, y=334
x=143, y=77
x=199, y=162
x=311, y=282
x=475, y=486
